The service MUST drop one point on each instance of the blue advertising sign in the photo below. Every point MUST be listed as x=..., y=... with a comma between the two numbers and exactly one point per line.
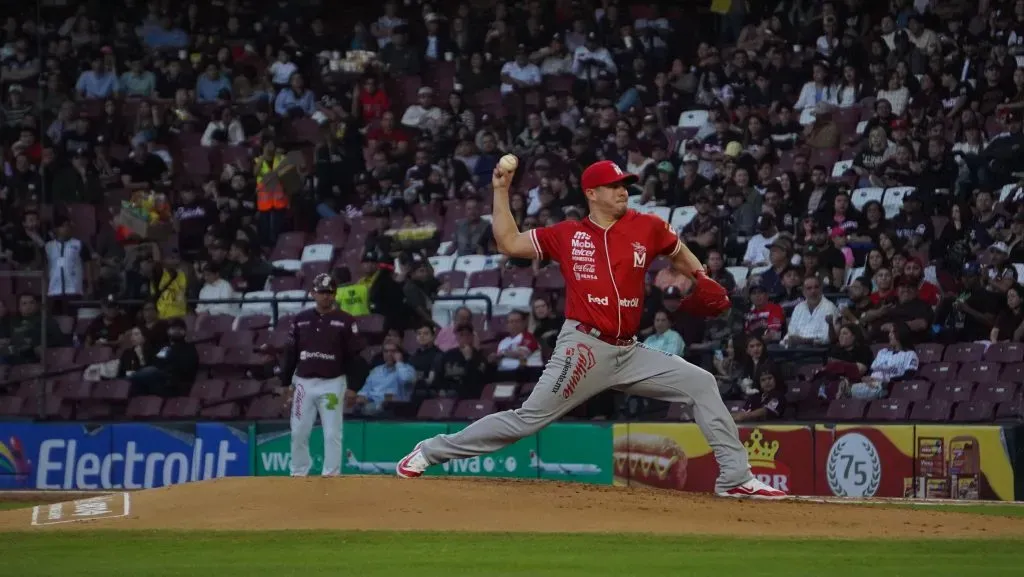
x=128, y=456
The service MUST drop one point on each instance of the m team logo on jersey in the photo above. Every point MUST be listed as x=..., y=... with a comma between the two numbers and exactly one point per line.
x=639, y=255
x=582, y=256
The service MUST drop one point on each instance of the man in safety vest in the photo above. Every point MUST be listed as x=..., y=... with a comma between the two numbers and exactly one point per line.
x=271, y=198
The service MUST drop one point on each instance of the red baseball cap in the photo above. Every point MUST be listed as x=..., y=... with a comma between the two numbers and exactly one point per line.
x=605, y=173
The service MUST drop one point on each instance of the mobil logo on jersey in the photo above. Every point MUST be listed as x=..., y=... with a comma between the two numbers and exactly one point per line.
x=583, y=248
x=127, y=456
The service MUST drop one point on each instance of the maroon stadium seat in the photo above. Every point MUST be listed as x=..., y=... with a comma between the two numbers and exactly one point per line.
x=953, y=391
x=485, y=278
x=74, y=389
x=550, y=279
x=146, y=407
x=974, y=411
x=253, y=323
x=964, y=353
x=888, y=410
x=939, y=372
x=10, y=406
x=276, y=337
x=60, y=358
x=517, y=277
x=310, y=270
x=1013, y=373
x=116, y=391
x=220, y=411
x=372, y=324
x=454, y=278
x=31, y=389
x=24, y=372
x=1005, y=353
x=1012, y=409
x=285, y=283
x=243, y=389
x=473, y=409
x=180, y=408
x=435, y=409
x=846, y=410
x=93, y=410
x=999, y=392
x=980, y=372
x=53, y=408
x=928, y=353
x=92, y=355
x=265, y=408
x=210, y=355
x=205, y=390
x=935, y=410
x=238, y=338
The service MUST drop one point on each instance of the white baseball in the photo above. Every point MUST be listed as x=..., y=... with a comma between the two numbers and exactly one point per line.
x=508, y=163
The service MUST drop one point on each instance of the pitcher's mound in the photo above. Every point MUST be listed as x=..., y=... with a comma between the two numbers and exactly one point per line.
x=368, y=503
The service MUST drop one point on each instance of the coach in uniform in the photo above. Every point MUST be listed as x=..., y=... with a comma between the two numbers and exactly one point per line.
x=321, y=352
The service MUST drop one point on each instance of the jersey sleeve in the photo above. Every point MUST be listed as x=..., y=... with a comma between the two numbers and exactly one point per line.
x=665, y=241
x=548, y=241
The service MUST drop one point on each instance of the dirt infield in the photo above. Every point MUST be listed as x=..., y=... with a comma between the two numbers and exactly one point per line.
x=517, y=506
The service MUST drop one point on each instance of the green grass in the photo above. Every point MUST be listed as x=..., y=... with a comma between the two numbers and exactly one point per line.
x=371, y=554
x=8, y=505
x=994, y=510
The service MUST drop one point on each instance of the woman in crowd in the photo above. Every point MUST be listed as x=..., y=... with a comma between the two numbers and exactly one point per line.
x=897, y=361
x=754, y=363
x=1009, y=325
x=770, y=403
x=848, y=346
x=546, y=323
x=728, y=363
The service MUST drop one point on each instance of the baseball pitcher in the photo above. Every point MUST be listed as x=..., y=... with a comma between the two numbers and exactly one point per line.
x=604, y=259
x=320, y=351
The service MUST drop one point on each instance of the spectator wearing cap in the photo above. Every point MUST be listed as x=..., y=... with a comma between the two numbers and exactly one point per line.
x=462, y=368
x=223, y=129
x=436, y=46
x=1000, y=273
x=1009, y=323
x=398, y=57
x=78, y=182
x=424, y=114
x=553, y=59
x=911, y=225
x=215, y=288
x=383, y=27
x=519, y=75
x=812, y=265
x=757, y=247
x=111, y=324
x=780, y=252
x=70, y=266
x=742, y=217
x=295, y=100
x=706, y=228
x=809, y=324
x=589, y=60
x=691, y=183
x=909, y=309
x=765, y=317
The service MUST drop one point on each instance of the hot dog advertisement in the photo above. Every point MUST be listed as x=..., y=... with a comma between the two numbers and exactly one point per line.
x=676, y=456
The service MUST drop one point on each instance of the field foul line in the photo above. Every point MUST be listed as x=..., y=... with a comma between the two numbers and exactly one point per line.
x=897, y=501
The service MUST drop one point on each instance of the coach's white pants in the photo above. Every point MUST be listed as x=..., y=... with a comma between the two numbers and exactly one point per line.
x=326, y=396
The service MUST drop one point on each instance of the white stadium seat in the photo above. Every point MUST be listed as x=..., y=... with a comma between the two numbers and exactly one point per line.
x=682, y=217
x=892, y=202
x=739, y=273
x=693, y=118
x=840, y=168
x=478, y=306
x=471, y=263
x=317, y=253
x=862, y=196
x=442, y=264
x=293, y=307
x=512, y=299
x=288, y=264
x=251, y=308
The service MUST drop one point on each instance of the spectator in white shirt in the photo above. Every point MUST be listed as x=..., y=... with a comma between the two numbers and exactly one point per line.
x=896, y=361
x=215, y=288
x=520, y=348
x=424, y=115
x=282, y=69
x=757, y=246
x=920, y=36
x=589, y=60
x=227, y=130
x=520, y=74
x=816, y=90
x=385, y=25
x=810, y=321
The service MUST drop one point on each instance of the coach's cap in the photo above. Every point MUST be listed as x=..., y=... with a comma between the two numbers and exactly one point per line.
x=605, y=173
x=323, y=283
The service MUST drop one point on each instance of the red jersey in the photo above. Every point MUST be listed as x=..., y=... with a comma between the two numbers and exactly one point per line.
x=929, y=293
x=605, y=268
x=373, y=106
x=770, y=317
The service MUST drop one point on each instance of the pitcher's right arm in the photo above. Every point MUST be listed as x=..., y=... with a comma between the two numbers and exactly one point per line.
x=510, y=241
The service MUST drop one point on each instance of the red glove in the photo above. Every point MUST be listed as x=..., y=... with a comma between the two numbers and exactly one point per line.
x=707, y=298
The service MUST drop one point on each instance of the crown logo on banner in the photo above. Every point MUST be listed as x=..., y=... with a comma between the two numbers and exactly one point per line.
x=761, y=454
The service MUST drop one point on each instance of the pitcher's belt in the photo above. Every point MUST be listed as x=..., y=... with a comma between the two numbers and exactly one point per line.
x=614, y=341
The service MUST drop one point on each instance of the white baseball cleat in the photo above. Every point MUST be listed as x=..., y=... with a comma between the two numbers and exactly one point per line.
x=413, y=465
x=753, y=489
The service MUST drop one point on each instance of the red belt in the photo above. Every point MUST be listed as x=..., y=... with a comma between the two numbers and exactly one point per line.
x=614, y=341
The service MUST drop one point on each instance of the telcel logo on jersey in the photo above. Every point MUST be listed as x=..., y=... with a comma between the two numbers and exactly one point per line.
x=582, y=248
x=61, y=467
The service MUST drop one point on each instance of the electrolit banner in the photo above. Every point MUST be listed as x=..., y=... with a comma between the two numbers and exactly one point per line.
x=121, y=456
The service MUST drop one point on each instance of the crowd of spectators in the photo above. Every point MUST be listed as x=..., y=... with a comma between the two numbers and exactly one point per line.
x=848, y=169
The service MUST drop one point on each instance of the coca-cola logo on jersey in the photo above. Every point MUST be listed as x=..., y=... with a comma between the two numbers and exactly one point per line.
x=582, y=256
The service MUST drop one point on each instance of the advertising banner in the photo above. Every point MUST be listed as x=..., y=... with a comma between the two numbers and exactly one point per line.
x=864, y=460
x=578, y=452
x=963, y=462
x=676, y=456
x=121, y=456
x=384, y=444
x=274, y=451
x=517, y=460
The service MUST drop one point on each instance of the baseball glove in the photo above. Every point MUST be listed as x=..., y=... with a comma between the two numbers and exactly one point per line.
x=707, y=298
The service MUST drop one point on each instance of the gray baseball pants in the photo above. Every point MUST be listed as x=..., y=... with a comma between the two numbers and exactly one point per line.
x=582, y=366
